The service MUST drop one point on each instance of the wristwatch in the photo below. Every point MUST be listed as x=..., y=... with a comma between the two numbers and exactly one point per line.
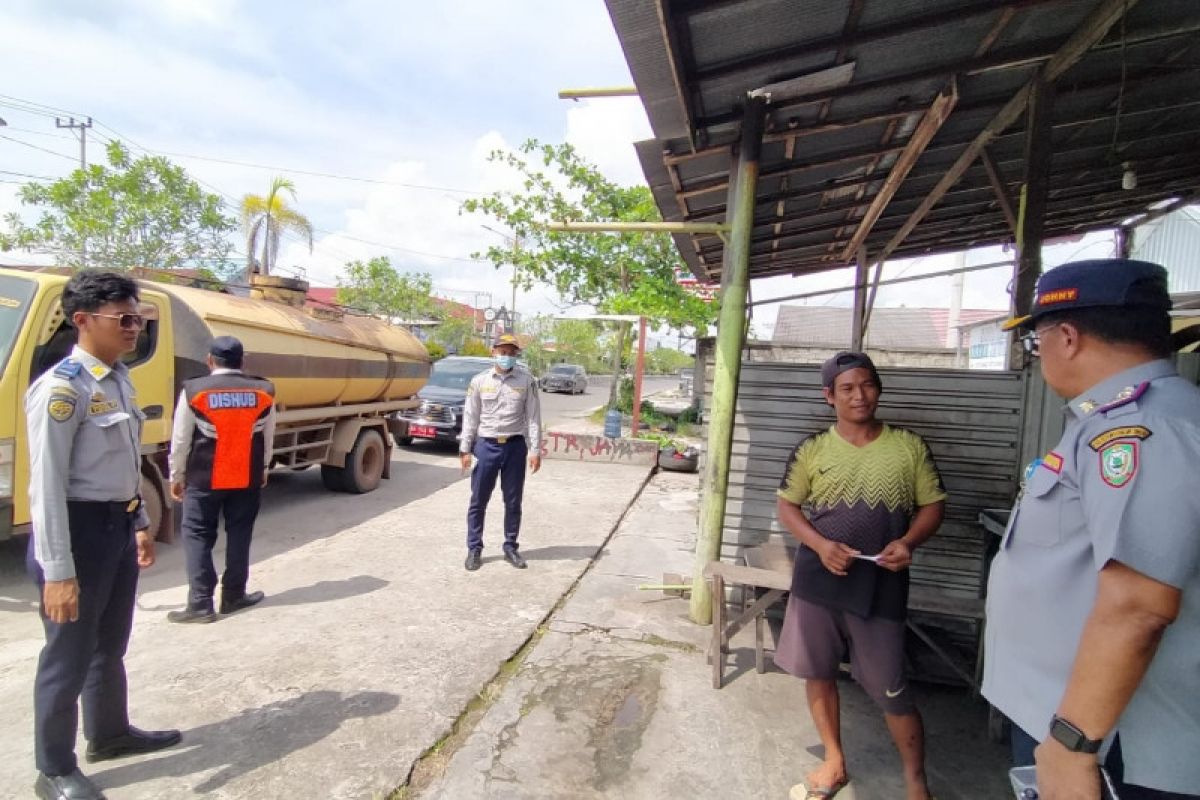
x=1072, y=738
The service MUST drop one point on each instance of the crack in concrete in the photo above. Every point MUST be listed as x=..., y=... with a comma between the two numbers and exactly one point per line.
x=432, y=763
x=647, y=639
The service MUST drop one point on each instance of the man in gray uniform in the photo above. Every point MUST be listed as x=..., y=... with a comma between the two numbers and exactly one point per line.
x=1094, y=597
x=502, y=426
x=89, y=536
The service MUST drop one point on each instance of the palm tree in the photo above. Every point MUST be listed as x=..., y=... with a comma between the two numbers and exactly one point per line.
x=265, y=219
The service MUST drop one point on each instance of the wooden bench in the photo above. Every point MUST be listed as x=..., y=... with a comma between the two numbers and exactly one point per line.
x=769, y=566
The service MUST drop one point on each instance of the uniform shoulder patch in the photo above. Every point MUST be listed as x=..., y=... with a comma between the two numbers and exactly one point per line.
x=1119, y=463
x=68, y=369
x=61, y=405
x=1111, y=435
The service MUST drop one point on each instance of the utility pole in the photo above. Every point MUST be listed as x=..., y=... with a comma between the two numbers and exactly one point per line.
x=81, y=126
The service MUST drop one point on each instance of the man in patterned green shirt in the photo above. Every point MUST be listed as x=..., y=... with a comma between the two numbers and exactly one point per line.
x=859, y=497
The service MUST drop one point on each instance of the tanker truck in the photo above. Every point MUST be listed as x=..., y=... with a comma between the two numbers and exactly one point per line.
x=339, y=378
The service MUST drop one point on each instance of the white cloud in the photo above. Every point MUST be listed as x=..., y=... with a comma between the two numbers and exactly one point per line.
x=604, y=131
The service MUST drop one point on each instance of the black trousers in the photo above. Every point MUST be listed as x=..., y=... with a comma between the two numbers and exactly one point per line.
x=507, y=462
x=202, y=510
x=86, y=658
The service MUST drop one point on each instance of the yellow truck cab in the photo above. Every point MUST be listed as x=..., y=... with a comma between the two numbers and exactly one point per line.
x=34, y=336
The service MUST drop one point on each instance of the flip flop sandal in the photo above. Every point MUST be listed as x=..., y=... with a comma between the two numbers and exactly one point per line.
x=802, y=792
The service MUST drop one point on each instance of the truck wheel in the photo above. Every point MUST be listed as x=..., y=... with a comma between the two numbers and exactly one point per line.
x=154, y=506
x=334, y=478
x=364, y=464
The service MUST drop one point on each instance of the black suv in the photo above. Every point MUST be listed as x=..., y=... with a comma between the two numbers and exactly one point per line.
x=439, y=417
x=569, y=378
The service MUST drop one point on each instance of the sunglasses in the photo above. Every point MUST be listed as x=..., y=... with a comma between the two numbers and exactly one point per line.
x=128, y=321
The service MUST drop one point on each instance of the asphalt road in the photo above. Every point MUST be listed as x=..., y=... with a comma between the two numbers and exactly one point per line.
x=297, y=509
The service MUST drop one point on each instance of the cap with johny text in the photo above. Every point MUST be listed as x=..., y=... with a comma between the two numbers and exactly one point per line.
x=1097, y=283
x=844, y=362
x=226, y=348
x=507, y=338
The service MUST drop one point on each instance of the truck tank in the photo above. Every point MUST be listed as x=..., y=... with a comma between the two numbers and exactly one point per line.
x=314, y=356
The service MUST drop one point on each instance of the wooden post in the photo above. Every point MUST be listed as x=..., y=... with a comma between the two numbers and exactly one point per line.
x=731, y=330
x=1031, y=214
x=862, y=274
x=639, y=367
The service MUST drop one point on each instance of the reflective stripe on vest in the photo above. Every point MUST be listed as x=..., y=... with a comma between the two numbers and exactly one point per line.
x=233, y=413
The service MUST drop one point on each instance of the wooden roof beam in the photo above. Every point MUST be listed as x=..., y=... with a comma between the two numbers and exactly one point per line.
x=931, y=123
x=1093, y=29
x=999, y=187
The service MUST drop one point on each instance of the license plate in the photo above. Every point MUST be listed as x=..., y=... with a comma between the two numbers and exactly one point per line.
x=423, y=431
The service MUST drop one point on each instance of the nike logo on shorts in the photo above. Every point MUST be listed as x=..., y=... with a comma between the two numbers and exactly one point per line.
x=893, y=695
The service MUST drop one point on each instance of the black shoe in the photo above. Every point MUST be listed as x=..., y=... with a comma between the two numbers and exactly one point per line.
x=232, y=604
x=473, y=560
x=189, y=615
x=133, y=742
x=72, y=786
x=514, y=558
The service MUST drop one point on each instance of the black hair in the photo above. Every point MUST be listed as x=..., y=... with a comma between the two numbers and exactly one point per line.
x=89, y=289
x=226, y=363
x=1144, y=326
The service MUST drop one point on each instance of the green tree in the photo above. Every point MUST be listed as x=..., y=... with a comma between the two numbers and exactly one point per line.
x=264, y=221
x=143, y=212
x=453, y=332
x=378, y=288
x=667, y=361
x=629, y=273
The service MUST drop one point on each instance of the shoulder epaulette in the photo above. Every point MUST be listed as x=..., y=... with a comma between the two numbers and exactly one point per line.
x=1129, y=394
x=68, y=369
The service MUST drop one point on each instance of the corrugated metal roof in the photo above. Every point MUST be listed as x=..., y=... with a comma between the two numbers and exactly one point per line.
x=1132, y=97
x=1174, y=242
x=891, y=328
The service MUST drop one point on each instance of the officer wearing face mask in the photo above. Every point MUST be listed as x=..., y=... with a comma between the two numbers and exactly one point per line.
x=502, y=428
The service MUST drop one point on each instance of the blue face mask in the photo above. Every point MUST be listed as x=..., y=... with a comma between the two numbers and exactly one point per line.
x=505, y=362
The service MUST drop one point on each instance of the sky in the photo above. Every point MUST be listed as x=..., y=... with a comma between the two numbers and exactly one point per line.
x=404, y=101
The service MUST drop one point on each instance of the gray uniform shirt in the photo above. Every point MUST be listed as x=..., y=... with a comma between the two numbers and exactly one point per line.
x=502, y=404
x=1120, y=485
x=85, y=443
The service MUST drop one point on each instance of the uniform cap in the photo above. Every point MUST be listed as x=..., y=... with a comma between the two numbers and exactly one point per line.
x=507, y=338
x=1097, y=283
x=845, y=361
x=226, y=348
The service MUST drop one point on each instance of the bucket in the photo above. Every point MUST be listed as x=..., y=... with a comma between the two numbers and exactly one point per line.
x=612, y=424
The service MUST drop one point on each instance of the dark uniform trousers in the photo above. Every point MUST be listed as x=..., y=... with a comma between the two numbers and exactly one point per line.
x=202, y=510
x=507, y=461
x=86, y=659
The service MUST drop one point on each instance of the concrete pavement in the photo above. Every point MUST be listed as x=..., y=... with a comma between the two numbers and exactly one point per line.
x=615, y=700
x=370, y=644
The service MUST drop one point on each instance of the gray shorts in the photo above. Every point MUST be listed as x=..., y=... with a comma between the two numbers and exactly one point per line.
x=814, y=639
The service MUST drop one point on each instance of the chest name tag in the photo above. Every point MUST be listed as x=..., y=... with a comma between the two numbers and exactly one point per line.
x=218, y=400
x=99, y=406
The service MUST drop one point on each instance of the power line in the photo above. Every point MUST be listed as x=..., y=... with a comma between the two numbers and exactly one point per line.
x=231, y=203
x=35, y=147
x=27, y=175
x=335, y=176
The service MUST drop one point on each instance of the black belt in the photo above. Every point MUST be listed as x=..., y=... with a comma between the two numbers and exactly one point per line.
x=109, y=506
x=501, y=439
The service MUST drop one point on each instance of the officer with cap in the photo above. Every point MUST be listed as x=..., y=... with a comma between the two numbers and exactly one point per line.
x=221, y=447
x=1094, y=597
x=502, y=427
x=90, y=536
